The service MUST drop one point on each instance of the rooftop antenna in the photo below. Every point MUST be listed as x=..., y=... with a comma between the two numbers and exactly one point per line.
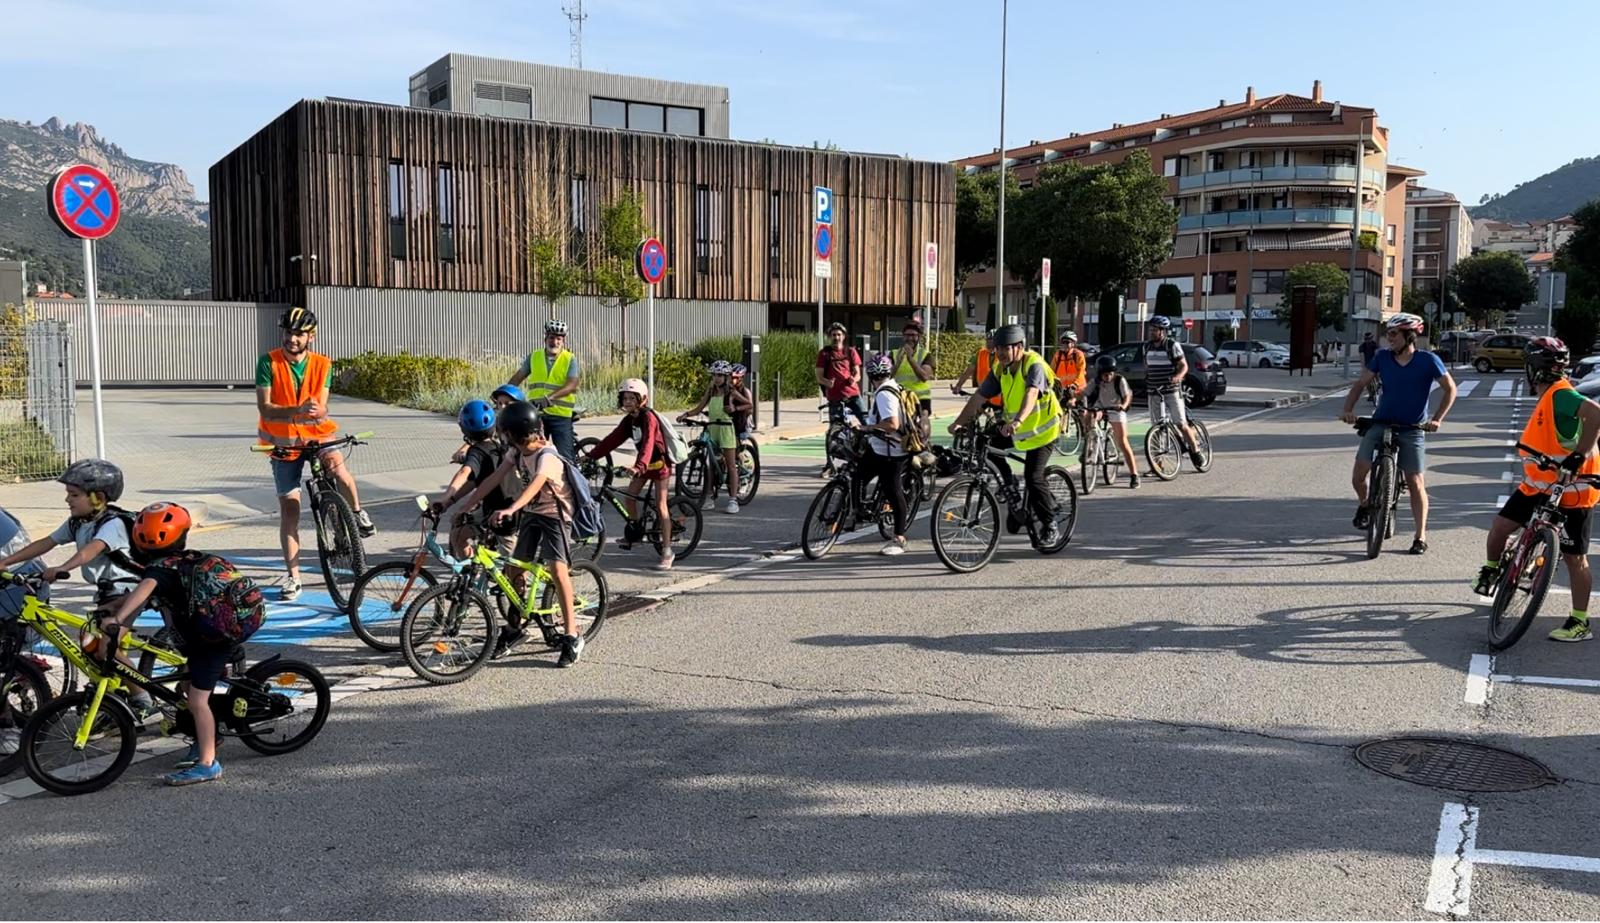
x=575, y=18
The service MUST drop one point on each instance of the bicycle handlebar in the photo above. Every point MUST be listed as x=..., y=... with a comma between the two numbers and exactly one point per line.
x=314, y=447
x=1547, y=463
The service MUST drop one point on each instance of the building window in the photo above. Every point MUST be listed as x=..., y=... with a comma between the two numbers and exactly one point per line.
x=1280, y=200
x=437, y=95
x=1214, y=161
x=578, y=196
x=397, y=210
x=503, y=100
x=1267, y=281
x=774, y=232
x=1286, y=158
x=682, y=120
x=647, y=117
x=702, y=229
x=1224, y=283
x=1388, y=235
x=1232, y=123
x=1281, y=118
x=1247, y=159
x=1388, y=266
x=608, y=113
x=1338, y=158
x=445, y=211
x=1388, y=296
x=1172, y=166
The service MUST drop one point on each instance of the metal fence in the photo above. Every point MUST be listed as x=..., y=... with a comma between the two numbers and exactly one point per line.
x=37, y=398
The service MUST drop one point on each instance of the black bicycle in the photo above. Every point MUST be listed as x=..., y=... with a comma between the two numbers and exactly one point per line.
x=1165, y=444
x=842, y=504
x=339, y=547
x=687, y=522
x=1383, y=484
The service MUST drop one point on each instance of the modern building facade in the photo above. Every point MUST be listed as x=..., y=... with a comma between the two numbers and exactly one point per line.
x=540, y=92
x=1438, y=234
x=1260, y=186
x=413, y=226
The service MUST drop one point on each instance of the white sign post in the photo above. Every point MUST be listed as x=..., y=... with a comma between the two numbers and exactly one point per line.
x=822, y=246
x=930, y=280
x=1044, y=292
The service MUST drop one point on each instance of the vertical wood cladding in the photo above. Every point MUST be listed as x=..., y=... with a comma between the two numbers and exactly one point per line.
x=320, y=179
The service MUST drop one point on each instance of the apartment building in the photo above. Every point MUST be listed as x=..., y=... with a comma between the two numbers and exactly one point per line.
x=1438, y=235
x=1260, y=185
x=1524, y=237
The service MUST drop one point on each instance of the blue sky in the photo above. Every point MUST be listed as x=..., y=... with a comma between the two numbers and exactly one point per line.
x=1481, y=95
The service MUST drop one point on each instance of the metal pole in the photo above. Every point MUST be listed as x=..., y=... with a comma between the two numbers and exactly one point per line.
x=1549, y=322
x=777, y=393
x=94, y=347
x=822, y=285
x=1000, y=238
x=1355, y=241
x=650, y=321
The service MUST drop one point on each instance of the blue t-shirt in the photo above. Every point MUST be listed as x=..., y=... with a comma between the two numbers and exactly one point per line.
x=1405, y=387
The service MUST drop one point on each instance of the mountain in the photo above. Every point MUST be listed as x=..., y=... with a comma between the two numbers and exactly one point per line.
x=162, y=245
x=1553, y=195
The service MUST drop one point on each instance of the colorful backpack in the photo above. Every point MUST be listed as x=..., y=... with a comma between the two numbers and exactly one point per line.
x=225, y=606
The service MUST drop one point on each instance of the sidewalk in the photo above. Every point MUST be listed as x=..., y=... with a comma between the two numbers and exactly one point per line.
x=1279, y=388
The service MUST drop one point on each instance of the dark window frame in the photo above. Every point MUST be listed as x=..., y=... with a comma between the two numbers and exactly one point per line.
x=397, y=209
x=445, y=212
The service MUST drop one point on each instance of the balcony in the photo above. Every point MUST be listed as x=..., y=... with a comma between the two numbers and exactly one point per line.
x=1273, y=216
x=1251, y=175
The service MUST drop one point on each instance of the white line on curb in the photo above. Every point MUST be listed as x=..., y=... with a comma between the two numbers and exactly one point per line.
x=1479, y=675
x=1450, y=880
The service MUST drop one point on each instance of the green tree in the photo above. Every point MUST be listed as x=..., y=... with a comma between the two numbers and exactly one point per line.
x=1578, y=324
x=1052, y=320
x=1169, y=300
x=1579, y=257
x=558, y=279
x=1491, y=284
x=1110, y=317
x=1333, y=291
x=612, y=274
x=977, y=211
x=1415, y=300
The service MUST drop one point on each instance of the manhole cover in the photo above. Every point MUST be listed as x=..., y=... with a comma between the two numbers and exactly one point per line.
x=630, y=604
x=1439, y=762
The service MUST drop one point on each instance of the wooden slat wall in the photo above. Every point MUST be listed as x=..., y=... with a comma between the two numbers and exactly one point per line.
x=315, y=181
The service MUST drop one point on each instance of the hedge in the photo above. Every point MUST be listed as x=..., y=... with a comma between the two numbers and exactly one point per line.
x=398, y=378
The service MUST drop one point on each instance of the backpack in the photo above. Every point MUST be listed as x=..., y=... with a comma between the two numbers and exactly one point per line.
x=677, y=448
x=225, y=606
x=117, y=556
x=913, y=430
x=586, y=516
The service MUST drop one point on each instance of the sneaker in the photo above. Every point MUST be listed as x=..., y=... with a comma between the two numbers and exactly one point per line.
x=1198, y=459
x=1363, y=518
x=195, y=773
x=1487, y=575
x=1573, y=630
x=666, y=561
x=144, y=712
x=364, y=524
x=732, y=507
x=507, y=640
x=1133, y=481
x=1051, y=536
x=571, y=651
x=192, y=756
x=288, y=589
x=893, y=547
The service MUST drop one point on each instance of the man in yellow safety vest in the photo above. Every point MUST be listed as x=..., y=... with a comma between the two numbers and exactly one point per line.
x=552, y=381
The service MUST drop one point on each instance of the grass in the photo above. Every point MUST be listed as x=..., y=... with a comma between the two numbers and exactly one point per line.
x=27, y=453
x=598, y=392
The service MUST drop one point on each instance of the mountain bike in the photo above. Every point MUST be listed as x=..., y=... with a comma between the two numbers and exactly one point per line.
x=687, y=522
x=1529, y=561
x=966, y=513
x=339, y=548
x=82, y=741
x=383, y=593
x=705, y=465
x=449, y=632
x=841, y=503
x=1383, y=484
x=1101, y=457
x=1072, y=439
x=1165, y=444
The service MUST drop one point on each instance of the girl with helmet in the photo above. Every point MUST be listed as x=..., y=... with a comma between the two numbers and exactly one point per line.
x=720, y=402
x=651, y=463
x=483, y=457
x=746, y=398
x=887, y=460
x=1109, y=395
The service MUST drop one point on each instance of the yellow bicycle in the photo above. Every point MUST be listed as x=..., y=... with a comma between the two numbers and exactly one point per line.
x=82, y=741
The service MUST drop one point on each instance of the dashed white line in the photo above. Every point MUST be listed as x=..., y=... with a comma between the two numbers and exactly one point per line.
x=1479, y=674
x=1501, y=388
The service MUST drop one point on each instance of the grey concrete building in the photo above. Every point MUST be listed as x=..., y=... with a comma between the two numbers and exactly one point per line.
x=520, y=90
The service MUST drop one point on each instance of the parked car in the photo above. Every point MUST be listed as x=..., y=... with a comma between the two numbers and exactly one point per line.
x=1253, y=354
x=1585, y=367
x=1204, y=383
x=1501, y=351
x=1460, y=345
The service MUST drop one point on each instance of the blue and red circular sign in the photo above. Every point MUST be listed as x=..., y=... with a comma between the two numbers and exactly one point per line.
x=651, y=261
x=824, y=241
x=84, y=202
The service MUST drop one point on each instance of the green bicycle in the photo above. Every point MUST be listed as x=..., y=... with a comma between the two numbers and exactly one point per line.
x=82, y=741
x=705, y=470
x=449, y=633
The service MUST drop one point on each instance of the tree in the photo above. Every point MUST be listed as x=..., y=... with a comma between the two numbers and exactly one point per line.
x=611, y=271
x=1333, y=291
x=1052, y=320
x=1169, y=300
x=1579, y=257
x=977, y=210
x=1490, y=284
x=1578, y=324
x=1110, y=317
x=1415, y=300
x=557, y=278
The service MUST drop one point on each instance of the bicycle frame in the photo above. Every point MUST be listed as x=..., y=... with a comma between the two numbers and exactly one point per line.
x=493, y=565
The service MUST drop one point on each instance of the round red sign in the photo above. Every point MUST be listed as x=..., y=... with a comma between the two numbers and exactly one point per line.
x=84, y=202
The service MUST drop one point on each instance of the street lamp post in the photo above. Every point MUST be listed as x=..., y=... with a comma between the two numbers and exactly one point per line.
x=1000, y=236
x=1355, y=241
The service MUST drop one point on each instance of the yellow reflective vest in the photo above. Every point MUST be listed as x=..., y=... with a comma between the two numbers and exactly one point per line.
x=1043, y=425
x=546, y=379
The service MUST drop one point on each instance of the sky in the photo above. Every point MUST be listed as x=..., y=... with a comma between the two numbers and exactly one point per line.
x=1481, y=95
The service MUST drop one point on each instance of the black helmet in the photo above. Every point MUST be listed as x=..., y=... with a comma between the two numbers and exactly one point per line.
x=94, y=475
x=298, y=320
x=521, y=420
x=1104, y=363
x=1011, y=335
x=1548, y=357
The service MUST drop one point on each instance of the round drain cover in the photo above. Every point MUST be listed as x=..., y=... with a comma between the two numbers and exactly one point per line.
x=1440, y=762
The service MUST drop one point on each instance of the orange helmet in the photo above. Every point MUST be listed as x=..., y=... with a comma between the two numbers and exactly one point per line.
x=161, y=526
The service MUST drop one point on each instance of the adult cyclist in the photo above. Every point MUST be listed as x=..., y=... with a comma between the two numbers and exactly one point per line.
x=552, y=377
x=838, y=374
x=1164, y=367
x=1071, y=368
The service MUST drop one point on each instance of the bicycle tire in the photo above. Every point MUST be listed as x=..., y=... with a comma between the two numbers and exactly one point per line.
x=1087, y=465
x=965, y=505
x=23, y=691
x=824, y=519
x=602, y=472
x=270, y=679
x=693, y=476
x=591, y=596
x=1202, y=440
x=345, y=562
x=57, y=721
x=687, y=525
x=384, y=593
x=748, y=457
x=1066, y=496
x=590, y=549
x=441, y=609
x=1162, y=449
x=1071, y=438
x=1541, y=554
x=1378, y=505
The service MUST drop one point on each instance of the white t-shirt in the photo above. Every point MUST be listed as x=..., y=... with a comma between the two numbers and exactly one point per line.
x=112, y=532
x=885, y=406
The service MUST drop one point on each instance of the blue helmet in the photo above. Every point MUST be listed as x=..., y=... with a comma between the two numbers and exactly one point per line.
x=1160, y=322
x=476, y=419
x=511, y=391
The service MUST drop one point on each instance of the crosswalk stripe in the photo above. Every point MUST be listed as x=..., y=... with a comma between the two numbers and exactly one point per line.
x=1502, y=388
x=1466, y=388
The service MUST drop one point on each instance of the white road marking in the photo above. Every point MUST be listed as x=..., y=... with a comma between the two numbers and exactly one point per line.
x=1479, y=674
x=1501, y=500
x=1537, y=860
x=1546, y=680
x=1505, y=475
x=1466, y=388
x=1501, y=389
x=1456, y=851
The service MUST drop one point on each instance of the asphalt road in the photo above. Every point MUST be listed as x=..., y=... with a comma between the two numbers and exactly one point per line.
x=1158, y=722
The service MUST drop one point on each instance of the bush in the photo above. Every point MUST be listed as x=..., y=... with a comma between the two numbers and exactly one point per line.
x=955, y=352
x=28, y=453
x=398, y=378
x=1169, y=300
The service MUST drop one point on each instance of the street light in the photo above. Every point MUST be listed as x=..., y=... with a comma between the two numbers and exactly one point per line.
x=1000, y=241
x=1355, y=238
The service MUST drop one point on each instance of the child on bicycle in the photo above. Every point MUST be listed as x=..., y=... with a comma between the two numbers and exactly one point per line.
x=503, y=397
x=719, y=403
x=743, y=397
x=483, y=457
x=1109, y=395
x=650, y=466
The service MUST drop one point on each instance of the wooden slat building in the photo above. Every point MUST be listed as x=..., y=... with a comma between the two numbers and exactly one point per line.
x=389, y=197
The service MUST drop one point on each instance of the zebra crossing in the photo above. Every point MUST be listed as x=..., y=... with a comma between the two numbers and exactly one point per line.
x=1501, y=390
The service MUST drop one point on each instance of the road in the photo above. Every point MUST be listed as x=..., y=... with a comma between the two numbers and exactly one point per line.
x=1158, y=722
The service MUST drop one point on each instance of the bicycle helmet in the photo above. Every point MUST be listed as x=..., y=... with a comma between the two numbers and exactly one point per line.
x=1069, y=336
x=476, y=419
x=555, y=328
x=1011, y=335
x=1103, y=364
x=912, y=324
x=1160, y=322
x=633, y=386
x=739, y=371
x=721, y=367
x=520, y=421
x=511, y=391
x=94, y=475
x=161, y=527
x=836, y=326
x=880, y=366
x=1412, y=323
x=298, y=320
x=1548, y=358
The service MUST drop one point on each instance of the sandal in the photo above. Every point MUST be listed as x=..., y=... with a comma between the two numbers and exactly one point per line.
x=1418, y=546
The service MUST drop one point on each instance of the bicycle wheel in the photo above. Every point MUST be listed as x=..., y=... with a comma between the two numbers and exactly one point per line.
x=1110, y=461
x=1202, y=444
x=1379, y=506
x=52, y=760
x=824, y=519
x=600, y=475
x=1071, y=438
x=1163, y=449
x=1521, y=588
x=339, y=547
x=23, y=691
x=591, y=548
x=694, y=474
x=448, y=634
x=379, y=601
x=966, y=524
x=285, y=704
x=748, y=457
x=590, y=596
x=1066, y=497
x=686, y=526
x=1087, y=465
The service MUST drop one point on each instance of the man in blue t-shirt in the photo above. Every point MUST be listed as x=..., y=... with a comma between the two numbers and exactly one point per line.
x=1408, y=375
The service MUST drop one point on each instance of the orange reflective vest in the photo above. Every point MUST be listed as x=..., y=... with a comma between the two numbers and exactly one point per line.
x=283, y=393
x=1541, y=434
x=1070, y=366
x=985, y=360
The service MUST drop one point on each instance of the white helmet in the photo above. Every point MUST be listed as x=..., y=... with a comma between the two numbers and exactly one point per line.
x=634, y=386
x=722, y=367
x=556, y=327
